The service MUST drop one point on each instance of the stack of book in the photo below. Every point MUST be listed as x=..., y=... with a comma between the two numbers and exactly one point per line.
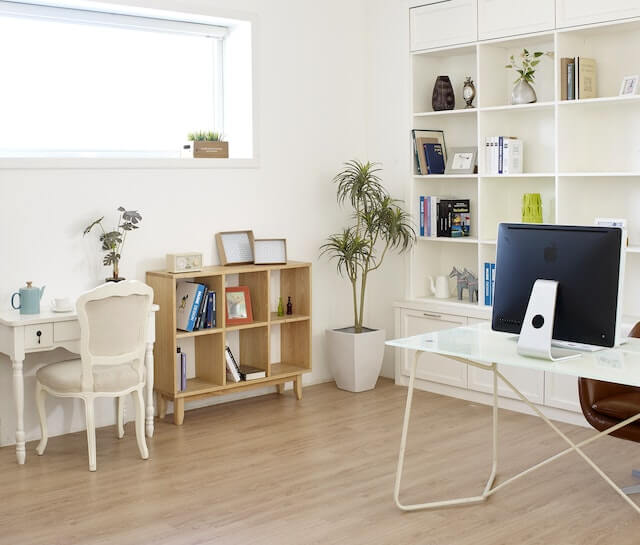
x=195, y=307
x=577, y=78
x=444, y=217
x=503, y=155
x=238, y=373
x=489, y=283
x=429, y=154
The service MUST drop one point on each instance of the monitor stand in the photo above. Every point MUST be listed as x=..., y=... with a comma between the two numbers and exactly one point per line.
x=537, y=329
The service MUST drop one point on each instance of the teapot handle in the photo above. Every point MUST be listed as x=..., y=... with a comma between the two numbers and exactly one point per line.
x=12, y=301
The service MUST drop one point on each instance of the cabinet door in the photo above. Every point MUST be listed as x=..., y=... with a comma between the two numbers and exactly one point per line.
x=528, y=381
x=432, y=366
x=443, y=23
x=584, y=12
x=498, y=18
x=561, y=391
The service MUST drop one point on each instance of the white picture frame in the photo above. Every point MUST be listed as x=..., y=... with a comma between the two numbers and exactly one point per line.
x=270, y=251
x=462, y=160
x=235, y=247
x=629, y=85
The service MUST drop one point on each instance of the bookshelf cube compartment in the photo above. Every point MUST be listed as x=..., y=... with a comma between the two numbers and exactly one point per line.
x=497, y=82
x=209, y=358
x=296, y=283
x=456, y=63
x=258, y=283
x=254, y=347
x=295, y=344
x=216, y=283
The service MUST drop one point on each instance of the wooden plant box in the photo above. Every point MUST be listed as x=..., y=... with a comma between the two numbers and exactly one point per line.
x=207, y=150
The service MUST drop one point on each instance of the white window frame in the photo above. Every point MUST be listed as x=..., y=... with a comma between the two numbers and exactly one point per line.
x=207, y=25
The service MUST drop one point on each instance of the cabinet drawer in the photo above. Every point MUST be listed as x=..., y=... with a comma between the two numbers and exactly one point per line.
x=439, y=24
x=66, y=331
x=38, y=336
x=584, y=12
x=499, y=18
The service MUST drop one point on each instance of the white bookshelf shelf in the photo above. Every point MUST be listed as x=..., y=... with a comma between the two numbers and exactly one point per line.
x=447, y=113
x=521, y=175
x=450, y=240
x=519, y=107
x=633, y=249
x=597, y=174
x=444, y=176
x=600, y=100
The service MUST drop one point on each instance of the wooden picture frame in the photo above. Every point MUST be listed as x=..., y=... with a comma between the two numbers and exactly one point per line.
x=237, y=305
x=235, y=247
x=462, y=161
x=270, y=251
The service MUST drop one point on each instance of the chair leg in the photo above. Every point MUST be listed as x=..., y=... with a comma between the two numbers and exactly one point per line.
x=120, y=410
x=140, y=416
x=91, y=432
x=44, y=435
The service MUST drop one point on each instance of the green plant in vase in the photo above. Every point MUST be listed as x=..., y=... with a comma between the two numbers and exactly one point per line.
x=113, y=241
x=525, y=65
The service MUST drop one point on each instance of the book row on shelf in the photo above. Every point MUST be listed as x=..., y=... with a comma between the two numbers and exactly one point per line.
x=577, y=78
x=503, y=155
x=444, y=217
x=195, y=307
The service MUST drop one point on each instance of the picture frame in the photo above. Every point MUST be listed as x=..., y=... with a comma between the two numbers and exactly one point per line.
x=629, y=85
x=422, y=136
x=237, y=304
x=270, y=251
x=462, y=161
x=235, y=247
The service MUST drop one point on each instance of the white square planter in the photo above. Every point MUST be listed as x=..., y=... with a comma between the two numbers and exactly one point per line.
x=356, y=358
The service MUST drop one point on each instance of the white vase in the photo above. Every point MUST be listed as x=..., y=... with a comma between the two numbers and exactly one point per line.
x=355, y=359
x=523, y=93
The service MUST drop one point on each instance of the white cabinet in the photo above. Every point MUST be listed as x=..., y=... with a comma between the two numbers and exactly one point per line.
x=498, y=18
x=584, y=12
x=432, y=367
x=561, y=391
x=443, y=23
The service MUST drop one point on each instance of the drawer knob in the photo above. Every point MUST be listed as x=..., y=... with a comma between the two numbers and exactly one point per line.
x=39, y=335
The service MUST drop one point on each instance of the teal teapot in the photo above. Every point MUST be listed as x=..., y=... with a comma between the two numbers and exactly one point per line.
x=29, y=299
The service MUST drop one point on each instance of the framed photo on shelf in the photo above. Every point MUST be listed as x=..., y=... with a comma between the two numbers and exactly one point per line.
x=462, y=161
x=629, y=85
x=238, y=305
x=235, y=247
x=422, y=137
x=270, y=251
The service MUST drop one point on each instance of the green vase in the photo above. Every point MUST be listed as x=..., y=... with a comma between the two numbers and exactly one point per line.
x=531, y=208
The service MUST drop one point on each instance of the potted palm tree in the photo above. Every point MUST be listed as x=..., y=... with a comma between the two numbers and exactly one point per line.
x=380, y=225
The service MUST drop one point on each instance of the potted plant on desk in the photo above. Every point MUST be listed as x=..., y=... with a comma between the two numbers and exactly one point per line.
x=380, y=225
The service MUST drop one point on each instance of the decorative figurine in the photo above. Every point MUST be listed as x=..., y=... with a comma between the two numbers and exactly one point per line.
x=472, y=285
x=280, y=307
x=289, y=306
x=468, y=92
x=461, y=279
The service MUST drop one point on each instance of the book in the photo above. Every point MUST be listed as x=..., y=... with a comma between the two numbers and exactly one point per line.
x=203, y=305
x=487, y=284
x=421, y=216
x=232, y=367
x=493, y=282
x=460, y=218
x=564, y=77
x=210, y=319
x=188, y=299
x=247, y=372
x=571, y=80
x=422, y=158
x=183, y=371
x=179, y=368
x=512, y=155
x=434, y=158
x=434, y=216
x=444, y=218
x=586, y=83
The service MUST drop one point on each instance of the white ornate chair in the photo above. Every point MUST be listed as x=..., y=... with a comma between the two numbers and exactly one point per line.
x=113, y=324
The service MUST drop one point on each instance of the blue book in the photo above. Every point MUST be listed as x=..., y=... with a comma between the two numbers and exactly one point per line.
x=209, y=322
x=487, y=284
x=195, y=307
x=421, y=216
x=188, y=302
x=493, y=281
x=435, y=158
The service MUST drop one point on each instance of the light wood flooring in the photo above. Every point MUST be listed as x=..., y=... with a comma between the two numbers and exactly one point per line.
x=272, y=470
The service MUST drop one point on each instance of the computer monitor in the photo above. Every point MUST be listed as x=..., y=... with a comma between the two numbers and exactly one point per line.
x=587, y=263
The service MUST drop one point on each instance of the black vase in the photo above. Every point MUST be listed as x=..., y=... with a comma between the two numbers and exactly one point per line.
x=443, y=97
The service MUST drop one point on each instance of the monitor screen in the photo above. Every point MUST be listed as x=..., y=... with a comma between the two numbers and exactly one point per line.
x=586, y=263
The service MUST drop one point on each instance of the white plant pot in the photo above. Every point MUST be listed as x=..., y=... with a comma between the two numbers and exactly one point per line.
x=356, y=358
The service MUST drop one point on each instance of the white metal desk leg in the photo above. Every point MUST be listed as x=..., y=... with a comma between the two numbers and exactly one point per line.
x=18, y=395
x=494, y=465
x=405, y=428
x=148, y=361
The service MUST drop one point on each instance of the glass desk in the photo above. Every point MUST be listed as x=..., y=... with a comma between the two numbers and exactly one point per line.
x=481, y=347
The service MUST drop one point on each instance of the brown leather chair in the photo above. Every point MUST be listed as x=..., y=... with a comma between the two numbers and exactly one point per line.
x=605, y=404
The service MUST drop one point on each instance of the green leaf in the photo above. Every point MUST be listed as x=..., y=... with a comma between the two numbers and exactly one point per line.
x=92, y=225
x=538, y=54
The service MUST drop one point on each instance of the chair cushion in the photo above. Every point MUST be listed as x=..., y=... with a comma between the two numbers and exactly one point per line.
x=65, y=377
x=620, y=406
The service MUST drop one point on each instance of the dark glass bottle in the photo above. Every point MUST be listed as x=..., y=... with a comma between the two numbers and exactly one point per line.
x=289, y=306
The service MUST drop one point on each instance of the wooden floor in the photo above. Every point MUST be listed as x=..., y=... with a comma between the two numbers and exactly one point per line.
x=271, y=470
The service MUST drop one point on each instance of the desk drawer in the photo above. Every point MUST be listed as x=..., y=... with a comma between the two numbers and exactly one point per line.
x=66, y=331
x=38, y=336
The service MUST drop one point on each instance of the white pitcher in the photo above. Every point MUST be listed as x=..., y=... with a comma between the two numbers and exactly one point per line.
x=440, y=288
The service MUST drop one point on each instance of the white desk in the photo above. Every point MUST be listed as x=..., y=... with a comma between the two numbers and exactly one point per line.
x=480, y=347
x=24, y=334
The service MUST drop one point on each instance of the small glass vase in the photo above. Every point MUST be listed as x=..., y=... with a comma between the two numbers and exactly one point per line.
x=523, y=93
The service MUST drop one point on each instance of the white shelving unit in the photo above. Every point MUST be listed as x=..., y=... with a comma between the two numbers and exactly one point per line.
x=582, y=156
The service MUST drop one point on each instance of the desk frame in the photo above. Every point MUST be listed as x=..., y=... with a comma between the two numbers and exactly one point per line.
x=489, y=489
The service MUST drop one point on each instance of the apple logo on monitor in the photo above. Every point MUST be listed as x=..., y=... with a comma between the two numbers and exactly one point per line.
x=550, y=254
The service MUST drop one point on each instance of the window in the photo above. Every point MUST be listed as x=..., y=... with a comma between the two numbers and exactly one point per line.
x=84, y=83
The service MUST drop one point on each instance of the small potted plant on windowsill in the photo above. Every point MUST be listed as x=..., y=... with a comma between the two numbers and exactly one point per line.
x=206, y=144
x=113, y=241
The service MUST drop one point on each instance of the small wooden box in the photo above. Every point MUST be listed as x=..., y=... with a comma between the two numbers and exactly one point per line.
x=205, y=149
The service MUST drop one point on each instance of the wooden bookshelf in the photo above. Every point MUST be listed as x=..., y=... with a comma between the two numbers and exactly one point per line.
x=254, y=338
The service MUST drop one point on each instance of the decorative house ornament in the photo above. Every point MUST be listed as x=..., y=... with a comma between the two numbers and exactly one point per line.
x=443, y=97
x=468, y=92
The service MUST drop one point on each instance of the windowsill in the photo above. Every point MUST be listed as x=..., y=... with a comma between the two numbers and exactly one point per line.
x=42, y=163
